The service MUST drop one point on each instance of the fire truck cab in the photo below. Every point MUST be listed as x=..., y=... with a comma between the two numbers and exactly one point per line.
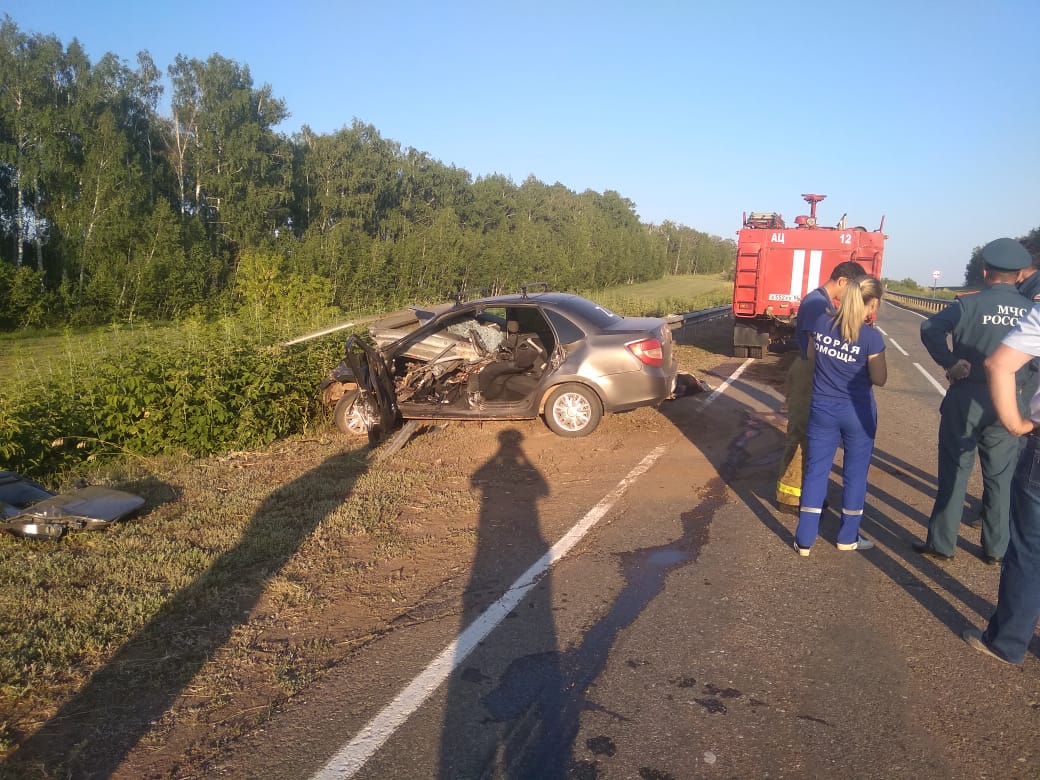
x=777, y=266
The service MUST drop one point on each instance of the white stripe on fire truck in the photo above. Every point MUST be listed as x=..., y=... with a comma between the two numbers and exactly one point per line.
x=815, y=258
x=797, y=269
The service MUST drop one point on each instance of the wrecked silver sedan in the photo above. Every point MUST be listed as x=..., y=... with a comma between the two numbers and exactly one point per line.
x=508, y=357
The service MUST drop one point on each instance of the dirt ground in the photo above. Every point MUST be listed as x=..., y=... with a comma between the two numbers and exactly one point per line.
x=335, y=594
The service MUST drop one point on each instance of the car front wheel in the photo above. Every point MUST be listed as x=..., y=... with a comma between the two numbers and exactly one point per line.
x=572, y=411
x=349, y=415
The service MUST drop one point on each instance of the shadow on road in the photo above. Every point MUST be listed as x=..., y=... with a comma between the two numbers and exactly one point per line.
x=535, y=706
x=480, y=720
x=748, y=466
x=521, y=721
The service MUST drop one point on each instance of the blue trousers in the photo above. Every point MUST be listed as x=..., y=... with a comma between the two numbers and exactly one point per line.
x=853, y=425
x=1012, y=625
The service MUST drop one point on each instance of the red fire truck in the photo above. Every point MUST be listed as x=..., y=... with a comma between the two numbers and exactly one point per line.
x=777, y=265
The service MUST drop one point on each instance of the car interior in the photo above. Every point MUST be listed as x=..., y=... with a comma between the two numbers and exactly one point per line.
x=493, y=356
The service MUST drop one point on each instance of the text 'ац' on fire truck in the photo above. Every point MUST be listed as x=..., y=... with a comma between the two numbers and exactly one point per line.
x=778, y=265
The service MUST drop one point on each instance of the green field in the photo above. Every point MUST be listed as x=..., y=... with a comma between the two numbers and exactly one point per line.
x=686, y=286
x=670, y=295
x=30, y=357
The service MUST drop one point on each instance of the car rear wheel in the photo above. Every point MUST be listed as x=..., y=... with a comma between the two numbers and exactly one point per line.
x=349, y=415
x=572, y=411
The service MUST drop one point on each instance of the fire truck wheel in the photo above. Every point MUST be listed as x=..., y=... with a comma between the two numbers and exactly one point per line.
x=756, y=352
x=740, y=352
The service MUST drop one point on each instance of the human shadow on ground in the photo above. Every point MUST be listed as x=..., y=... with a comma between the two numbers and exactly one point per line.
x=910, y=475
x=514, y=707
x=95, y=730
x=491, y=712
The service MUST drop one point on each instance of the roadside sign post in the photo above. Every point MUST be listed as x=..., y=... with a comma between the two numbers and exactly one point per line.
x=935, y=278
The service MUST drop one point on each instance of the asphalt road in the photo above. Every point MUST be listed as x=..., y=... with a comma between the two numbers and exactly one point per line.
x=682, y=637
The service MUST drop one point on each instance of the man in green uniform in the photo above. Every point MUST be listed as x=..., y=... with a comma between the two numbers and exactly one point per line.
x=976, y=323
x=799, y=384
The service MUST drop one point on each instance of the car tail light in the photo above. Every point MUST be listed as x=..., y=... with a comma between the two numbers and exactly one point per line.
x=649, y=351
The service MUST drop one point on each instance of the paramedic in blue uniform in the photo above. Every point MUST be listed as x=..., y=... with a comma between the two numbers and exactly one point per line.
x=799, y=383
x=976, y=324
x=848, y=357
x=1011, y=627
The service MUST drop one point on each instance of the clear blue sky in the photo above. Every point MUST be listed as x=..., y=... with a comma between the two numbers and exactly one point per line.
x=922, y=111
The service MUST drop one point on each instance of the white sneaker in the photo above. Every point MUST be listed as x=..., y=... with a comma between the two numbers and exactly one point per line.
x=861, y=543
x=803, y=551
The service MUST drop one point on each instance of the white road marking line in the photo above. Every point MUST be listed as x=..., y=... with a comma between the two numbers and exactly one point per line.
x=935, y=382
x=930, y=378
x=896, y=345
x=351, y=757
x=377, y=731
x=732, y=378
x=903, y=308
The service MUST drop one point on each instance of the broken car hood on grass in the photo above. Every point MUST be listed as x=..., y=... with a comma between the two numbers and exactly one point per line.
x=30, y=510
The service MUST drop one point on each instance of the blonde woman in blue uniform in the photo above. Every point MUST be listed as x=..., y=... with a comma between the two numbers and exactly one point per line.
x=848, y=357
x=799, y=383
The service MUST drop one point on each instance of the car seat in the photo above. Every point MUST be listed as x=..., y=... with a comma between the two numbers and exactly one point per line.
x=519, y=354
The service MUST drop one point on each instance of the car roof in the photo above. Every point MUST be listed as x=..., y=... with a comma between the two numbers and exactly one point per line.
x=586, y=313
x=518, y=299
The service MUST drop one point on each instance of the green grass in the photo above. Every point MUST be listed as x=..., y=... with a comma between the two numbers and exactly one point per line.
x=153, y=595
x=670, y=295
x=200, y=387
x=29, y=356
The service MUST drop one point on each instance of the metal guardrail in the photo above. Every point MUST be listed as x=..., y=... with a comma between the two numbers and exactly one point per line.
x=704, y=315
x=333, y=329
x=918, y=302
x=678, y=321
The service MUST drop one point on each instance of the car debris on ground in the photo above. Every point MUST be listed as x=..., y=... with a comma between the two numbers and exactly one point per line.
x=31, y=511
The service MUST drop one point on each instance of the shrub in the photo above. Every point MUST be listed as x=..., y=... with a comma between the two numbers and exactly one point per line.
x=203, y=395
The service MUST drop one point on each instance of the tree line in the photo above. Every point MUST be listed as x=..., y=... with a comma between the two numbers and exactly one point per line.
x=111, y=211
x=973, y=271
